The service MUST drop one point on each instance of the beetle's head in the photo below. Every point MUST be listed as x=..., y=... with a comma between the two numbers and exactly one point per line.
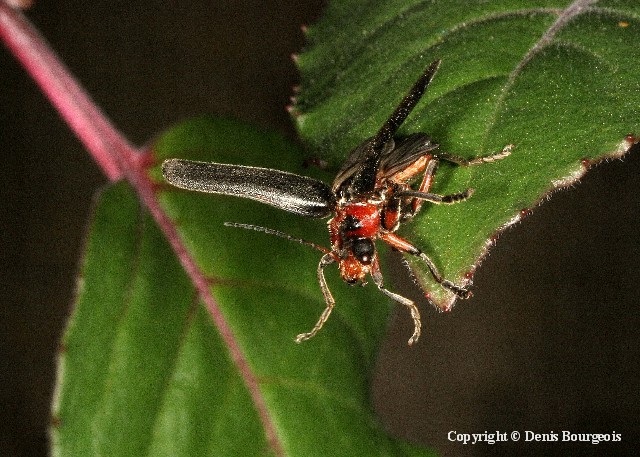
x=359, y=254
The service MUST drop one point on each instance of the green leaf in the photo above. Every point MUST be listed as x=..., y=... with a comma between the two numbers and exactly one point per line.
x=140, y=354
x=144, y=371
x=557, y=79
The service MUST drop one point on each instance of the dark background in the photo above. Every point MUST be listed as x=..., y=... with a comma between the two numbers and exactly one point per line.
x=548, y=343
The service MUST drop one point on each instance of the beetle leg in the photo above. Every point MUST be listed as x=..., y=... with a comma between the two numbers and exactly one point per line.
x=376, y=274
x=326, y=259
x=423, y=193
x=436, y=198
x=425, y=185
x=427, y=179
x=403, y=245
x=478, y=160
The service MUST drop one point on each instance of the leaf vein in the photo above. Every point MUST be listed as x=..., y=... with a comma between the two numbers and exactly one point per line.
x=102, y=402
x=193, y=307
x=574, y=9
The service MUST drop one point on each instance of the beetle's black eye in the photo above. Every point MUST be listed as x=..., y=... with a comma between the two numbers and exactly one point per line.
x=363, y=250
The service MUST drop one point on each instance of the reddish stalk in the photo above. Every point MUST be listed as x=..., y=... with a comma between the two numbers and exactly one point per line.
x=87, y=121
x=119, y=159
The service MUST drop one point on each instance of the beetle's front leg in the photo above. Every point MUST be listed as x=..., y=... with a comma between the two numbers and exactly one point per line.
x=326, y=259
x=376, y=274
x=403, y=245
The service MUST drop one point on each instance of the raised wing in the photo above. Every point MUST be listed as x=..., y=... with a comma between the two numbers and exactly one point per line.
x=297, y=194
x=364, y=180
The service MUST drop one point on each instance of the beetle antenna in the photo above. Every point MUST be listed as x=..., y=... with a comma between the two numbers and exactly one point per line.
x=269, y=231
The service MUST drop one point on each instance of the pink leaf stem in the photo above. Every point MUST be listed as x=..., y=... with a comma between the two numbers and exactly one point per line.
x=74, y=105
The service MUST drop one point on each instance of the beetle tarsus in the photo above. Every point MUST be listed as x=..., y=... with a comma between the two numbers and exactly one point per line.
x=415, y=314
x=323, y=318
x=460, y=291
x=506, y=151
x=326, y=259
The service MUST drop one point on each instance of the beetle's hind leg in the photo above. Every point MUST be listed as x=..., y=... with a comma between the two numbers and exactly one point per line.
x=506, y=151
x=326, y=259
